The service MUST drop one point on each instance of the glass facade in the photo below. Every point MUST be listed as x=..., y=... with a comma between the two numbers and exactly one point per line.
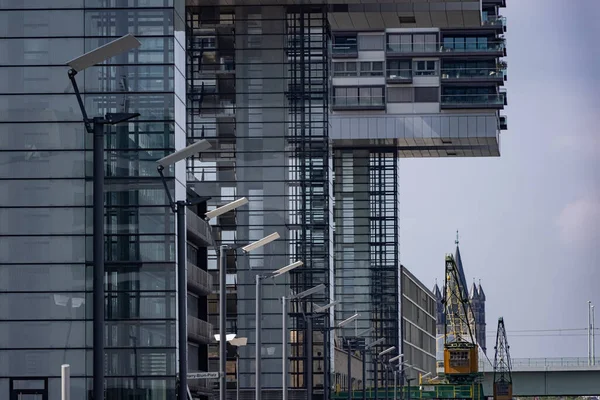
x=46, y=214
x=258, y=91
x=367, y=256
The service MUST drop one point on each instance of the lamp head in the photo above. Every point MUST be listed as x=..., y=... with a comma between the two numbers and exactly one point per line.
x=184, y=153
x=103, y=53
x=288, y=268
x=261, y=242
x=308, y=292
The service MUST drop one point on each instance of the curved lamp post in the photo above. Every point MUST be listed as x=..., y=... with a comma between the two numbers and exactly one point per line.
x=96, y=127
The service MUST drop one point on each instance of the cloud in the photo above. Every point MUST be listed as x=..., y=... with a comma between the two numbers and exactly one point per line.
x=579, y=221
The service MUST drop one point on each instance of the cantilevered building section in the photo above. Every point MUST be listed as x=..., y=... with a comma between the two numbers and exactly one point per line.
x=425, y=90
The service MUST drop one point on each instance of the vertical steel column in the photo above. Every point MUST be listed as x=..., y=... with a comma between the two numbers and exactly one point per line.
x=364, y=372
x=349, y=348
x=326, y=364
x=258, y=323
x=386, y=371
x=223, y=322
x=589, y=333
x=284, y=347
x=593, y=337
x=376, y=370
x=309, y=358
x=237, y=376
x=98, y=249
x=181, y=300
x=395, y=384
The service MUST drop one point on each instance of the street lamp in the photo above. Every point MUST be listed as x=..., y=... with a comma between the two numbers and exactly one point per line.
x=228, y=337
x=238, y=342
x=364, y=365
x=349, y=350
x=284, y=318
x=96, y=127
x=377, y=359
x=319, y=312
x=217, y=212
x=178, y=207
x=258, y=314
x=390, y=361
x=423, y=376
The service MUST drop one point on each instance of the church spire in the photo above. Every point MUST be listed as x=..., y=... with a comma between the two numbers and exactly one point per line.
x=480, y=290
x=456, y=241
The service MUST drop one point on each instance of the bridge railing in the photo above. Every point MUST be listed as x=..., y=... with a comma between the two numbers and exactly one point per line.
x=557, y=363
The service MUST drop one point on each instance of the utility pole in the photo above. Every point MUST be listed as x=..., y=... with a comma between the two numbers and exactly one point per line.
x=593, y=336
x=589, y=331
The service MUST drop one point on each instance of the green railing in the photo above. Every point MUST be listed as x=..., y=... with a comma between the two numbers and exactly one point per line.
x=474, y=391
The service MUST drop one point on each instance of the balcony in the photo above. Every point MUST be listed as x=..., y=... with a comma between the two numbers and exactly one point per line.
x=398, y=76
x=199, y=231
x=496, y=49
x=344, y=51
x=358, y=103
x=464, y=75
x=450, y=101
x=411, y=49
x=503, y=122
x=494, y=21
x=198, y=280
x=199, y=331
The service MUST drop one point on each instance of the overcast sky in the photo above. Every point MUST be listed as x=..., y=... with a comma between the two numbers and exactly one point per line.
x=529, y=220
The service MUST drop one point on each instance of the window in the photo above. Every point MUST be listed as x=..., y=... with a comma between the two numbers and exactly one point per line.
x=344, y=44
x=425, y=68
x=399, y=69
x=363, y=96
x=416, y=43
x=470, y=43
x=400, y=95
x=426, y=95
x=371, y=68
x=370, y=42
x=345, y=68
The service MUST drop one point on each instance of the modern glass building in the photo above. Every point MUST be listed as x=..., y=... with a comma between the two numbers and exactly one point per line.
x=308, y=107
x=45, y=206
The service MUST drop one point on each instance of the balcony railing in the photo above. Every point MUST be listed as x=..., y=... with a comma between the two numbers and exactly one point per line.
x=198, y=228
x=198, y=279
x=473, y=99
x=441, y=47
x=475, y=48
x=493, y=20
x=473, y=73
x=344, y=50
x=198, y=330
x=358, y=102
x=399, y=74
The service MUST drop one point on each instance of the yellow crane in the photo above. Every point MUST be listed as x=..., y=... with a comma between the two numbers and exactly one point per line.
x=460, y=346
